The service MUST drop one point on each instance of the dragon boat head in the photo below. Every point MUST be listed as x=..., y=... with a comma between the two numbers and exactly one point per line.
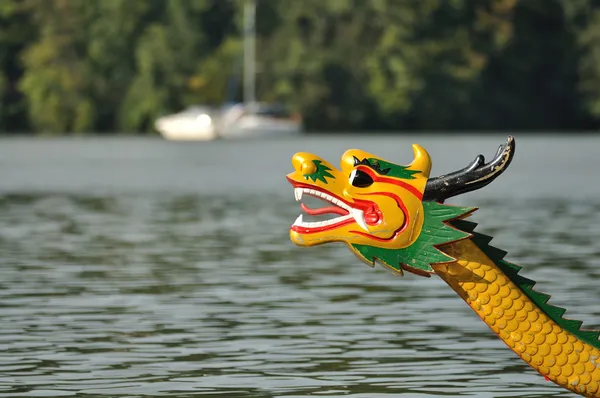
x=385, y=212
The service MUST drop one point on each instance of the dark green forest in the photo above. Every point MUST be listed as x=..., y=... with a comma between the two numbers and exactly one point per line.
x=81, y=66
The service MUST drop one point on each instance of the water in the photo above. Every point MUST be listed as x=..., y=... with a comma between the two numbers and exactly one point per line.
x=137, y=267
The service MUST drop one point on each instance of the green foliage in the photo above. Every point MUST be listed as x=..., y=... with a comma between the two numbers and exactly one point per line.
x=116, y=65
x=16, y=32
x=56, y=81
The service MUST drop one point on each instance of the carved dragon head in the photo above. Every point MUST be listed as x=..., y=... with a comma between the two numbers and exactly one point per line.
x=387, y=212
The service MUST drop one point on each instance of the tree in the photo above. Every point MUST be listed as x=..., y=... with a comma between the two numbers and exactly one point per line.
x=16, y=32
x=56, y=82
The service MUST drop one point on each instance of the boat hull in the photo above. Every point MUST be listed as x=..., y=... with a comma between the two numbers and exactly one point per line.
x=233, y=122
x=252, y=126
x=184, y=130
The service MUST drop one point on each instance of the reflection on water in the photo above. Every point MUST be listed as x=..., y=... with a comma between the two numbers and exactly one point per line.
x=178, y=294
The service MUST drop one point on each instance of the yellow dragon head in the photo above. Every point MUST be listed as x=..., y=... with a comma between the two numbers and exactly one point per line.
x=387, y=212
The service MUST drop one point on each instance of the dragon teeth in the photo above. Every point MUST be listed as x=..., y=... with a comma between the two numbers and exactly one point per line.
x=315, y=224
x=299, y=191
x=359, y=217
x=298, y=220
x=356, y=214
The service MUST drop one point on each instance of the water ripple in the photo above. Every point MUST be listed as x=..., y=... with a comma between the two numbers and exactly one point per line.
x=186, y=295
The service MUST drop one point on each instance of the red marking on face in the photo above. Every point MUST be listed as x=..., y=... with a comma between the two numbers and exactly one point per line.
x=386, y=180
x=397, y=232
x=370, y=210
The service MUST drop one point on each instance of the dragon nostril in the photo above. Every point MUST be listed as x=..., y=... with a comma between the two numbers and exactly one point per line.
x=308, y=168
x=303, y=163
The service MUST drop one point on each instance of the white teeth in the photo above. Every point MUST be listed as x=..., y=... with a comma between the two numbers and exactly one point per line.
x=355, y=214
x=298, y=220
x=298, y=194
x=359, y=217
x=315, y=224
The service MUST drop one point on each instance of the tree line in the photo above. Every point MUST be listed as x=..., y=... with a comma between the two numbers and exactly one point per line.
x=79, y=66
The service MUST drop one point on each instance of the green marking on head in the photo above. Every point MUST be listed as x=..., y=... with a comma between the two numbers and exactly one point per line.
x=320, y=173
x=423, y=252
x=392, y=169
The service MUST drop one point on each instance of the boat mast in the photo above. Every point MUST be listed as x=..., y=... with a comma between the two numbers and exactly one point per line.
x=249, y=54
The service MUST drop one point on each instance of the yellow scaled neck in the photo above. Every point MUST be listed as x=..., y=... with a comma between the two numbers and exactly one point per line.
x=524, y=327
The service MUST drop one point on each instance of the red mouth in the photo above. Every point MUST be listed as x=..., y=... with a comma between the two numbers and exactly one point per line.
x=324, y=210
x=362, y=212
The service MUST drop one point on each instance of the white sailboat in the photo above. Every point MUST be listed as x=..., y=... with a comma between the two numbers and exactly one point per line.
x=243, y=120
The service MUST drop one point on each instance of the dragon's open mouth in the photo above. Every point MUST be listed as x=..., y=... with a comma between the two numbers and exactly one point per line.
x=346, y=214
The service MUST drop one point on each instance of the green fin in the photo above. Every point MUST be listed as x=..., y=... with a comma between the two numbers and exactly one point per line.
x=526, y=285
x=423, y=252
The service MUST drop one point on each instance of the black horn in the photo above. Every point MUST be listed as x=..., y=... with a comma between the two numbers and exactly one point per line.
x=476, y=175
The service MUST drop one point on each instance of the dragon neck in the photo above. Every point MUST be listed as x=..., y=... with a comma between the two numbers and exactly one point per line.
x=535, y=330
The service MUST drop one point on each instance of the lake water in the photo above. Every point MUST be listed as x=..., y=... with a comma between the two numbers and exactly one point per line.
x=134, y=267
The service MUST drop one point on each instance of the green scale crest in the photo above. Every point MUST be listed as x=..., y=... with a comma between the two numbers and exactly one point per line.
x=423, y=252
x=444, y=224
x=526, y=285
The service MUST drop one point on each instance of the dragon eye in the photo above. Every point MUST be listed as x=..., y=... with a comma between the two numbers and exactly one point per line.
x=360, y=179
